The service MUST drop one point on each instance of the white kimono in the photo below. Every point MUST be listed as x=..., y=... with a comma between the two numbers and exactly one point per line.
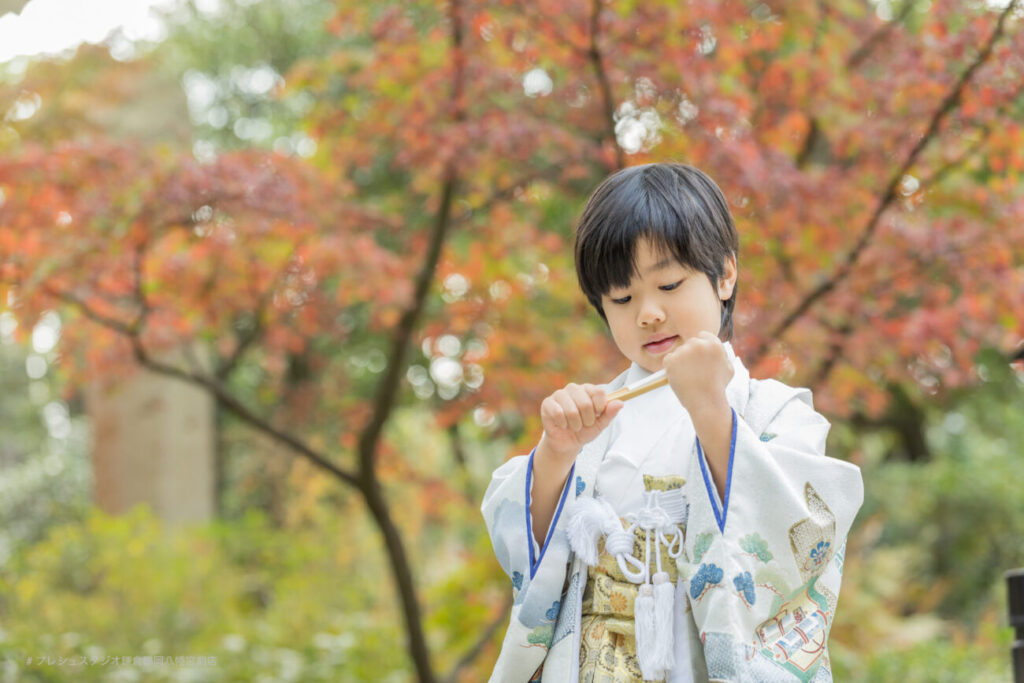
x=759, y=571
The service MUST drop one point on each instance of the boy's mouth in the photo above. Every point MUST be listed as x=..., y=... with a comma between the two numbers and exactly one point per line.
x=660, y=345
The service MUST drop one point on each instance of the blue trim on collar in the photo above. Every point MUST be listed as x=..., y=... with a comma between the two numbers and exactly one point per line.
x=554, y=520
x=720, y=514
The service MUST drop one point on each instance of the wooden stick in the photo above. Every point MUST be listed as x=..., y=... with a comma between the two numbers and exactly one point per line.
x=658, y=379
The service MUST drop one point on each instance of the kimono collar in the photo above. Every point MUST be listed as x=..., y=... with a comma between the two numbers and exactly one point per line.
x=610, y=465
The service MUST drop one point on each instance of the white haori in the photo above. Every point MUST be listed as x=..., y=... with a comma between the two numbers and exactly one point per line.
x=760, y=568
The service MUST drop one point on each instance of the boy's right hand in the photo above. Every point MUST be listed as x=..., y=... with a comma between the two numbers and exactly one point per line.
x=573, y=417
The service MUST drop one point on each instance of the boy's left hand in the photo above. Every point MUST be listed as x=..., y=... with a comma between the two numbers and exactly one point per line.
x=698, y=372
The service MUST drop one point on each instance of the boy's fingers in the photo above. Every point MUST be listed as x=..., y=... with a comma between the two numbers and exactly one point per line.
x=598, y=396
x=572, y=413
x=584, y=404
x=609, y=413
x=552, y=410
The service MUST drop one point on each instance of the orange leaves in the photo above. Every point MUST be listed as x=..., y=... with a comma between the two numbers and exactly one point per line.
x=282, y=338
x=211, y=243
x=385, y=318
x=324, y=255
x=482, y=24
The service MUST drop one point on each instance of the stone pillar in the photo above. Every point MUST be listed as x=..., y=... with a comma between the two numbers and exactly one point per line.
x=153, y=442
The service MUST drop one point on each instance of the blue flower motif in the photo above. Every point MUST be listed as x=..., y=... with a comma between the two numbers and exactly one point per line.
x=552, y=613
x=820, y=552
x=580, y=485
x=707, y=575
x=517, y=580
x=745, y=585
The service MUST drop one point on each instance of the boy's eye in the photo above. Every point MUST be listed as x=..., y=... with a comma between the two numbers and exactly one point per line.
x=669, y=288
x=622, y=300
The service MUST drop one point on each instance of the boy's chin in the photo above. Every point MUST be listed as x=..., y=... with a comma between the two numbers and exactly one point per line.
x=650, y=364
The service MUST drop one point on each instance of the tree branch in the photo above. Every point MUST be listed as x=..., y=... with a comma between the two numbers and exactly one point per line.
x=953, y=248
x=846, y=266
x=248, y=339
x=139, y=255
x=387, y=389
x=126, y=329
x=954, y=164
x=243, y=413
x=876, y=38
x=597, y=62
x=218, y=390
x=835, y=353
x=838, y=347
x=504, y=193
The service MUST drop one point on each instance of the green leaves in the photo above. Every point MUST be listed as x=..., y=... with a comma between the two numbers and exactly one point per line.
x=755, y=545
x=701, y=547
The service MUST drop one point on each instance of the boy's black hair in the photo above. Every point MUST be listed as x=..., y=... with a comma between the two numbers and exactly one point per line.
x=677, y=207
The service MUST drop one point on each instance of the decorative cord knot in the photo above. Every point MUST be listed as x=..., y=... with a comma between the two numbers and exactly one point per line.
x=651, y=519
x=653, y=608
x=619, y=542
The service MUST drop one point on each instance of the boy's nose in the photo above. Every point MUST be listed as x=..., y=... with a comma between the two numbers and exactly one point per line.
x=650, y=314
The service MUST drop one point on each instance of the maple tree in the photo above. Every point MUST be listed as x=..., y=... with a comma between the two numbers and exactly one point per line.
x=423, y=252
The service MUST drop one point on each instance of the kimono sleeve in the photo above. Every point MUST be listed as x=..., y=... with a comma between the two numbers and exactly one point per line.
x=783, y=463
x=537, y=571
x=766, y=560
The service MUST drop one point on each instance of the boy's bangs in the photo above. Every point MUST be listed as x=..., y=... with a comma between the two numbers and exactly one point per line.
x=613, y=261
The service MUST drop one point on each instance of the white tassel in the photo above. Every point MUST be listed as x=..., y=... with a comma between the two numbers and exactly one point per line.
x=664, y=608
x=584, y=529
x=643, y=619
x=681, y=631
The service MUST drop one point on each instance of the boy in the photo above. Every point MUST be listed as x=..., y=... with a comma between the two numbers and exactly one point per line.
x=697, y=532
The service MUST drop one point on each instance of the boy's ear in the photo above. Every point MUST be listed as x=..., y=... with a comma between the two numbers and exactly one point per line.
x=727, y=282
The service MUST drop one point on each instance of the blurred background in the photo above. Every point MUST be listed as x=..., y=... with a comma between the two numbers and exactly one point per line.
x=281, y=283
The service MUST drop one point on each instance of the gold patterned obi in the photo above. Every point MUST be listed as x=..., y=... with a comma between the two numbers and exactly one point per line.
x=608, y=651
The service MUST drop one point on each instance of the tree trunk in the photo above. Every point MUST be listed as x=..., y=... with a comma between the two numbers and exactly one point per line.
x=400, y=569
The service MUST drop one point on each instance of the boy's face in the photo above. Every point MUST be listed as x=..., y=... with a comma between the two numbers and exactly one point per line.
x=663, y=306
